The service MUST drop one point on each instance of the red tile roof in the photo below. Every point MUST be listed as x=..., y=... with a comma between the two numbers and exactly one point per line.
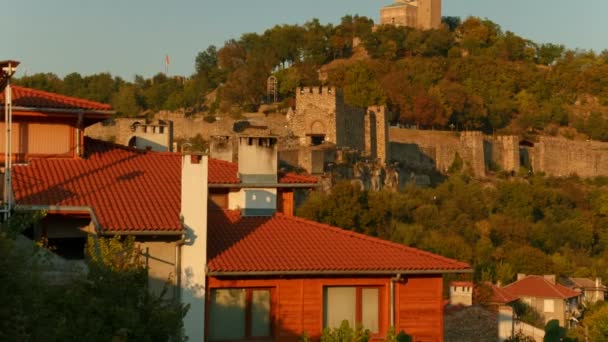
x=500, y=296
x=538, y=286
x=128, y=189
x=288, y=244
x=27, y=97
x=223, y=172
x=294, y=178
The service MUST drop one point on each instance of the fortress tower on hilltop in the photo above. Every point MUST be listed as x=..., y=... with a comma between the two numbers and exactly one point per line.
x=421, y=14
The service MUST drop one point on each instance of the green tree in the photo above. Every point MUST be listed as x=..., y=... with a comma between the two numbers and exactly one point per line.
x=362, y=87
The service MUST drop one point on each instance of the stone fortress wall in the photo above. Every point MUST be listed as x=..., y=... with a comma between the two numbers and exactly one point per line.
x=322, y=111
x=425, y=151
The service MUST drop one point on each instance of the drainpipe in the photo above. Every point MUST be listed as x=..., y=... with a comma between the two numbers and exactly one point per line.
x=394, y=280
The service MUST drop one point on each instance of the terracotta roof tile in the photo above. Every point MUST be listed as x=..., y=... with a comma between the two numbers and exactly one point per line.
x=538, y=286
x=499, y=295
x=28, y=97
x=128, y=189
x=294, y=178
x=223, y=172
x=288, y=244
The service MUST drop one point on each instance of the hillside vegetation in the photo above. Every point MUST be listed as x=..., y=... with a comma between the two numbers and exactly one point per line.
x=467, y=75
x=536, y=225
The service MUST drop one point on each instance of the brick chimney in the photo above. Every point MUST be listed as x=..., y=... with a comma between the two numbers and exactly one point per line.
x=194, y=194
x=550, y=278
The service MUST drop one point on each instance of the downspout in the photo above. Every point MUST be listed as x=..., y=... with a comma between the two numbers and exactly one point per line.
x=394, y=280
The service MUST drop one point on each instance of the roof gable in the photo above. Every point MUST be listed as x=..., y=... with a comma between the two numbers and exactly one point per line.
x=538, y=286
x=284, y=245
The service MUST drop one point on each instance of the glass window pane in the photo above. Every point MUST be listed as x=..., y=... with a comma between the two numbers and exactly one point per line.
x=227, y=316
x=339, y=304
x=369, y=309
x=260, y=313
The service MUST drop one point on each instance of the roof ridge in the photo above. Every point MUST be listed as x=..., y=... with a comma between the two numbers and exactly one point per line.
x=64, y=97
x=555, y=288
x=130, y=148
x=373, y=239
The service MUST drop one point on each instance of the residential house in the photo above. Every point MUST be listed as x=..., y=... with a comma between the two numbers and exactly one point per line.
x=246, y=270
x=543, y=293
x=591, y=290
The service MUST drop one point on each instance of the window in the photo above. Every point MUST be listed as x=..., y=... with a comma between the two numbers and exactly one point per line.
x=357, y=305
x=239, y=314
x=548, y=305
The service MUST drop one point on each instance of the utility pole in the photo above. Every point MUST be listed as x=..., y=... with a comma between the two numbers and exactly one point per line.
x=8, y=70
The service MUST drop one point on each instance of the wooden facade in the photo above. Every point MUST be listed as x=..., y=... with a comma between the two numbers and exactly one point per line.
x=297, y=304
x=42, y=137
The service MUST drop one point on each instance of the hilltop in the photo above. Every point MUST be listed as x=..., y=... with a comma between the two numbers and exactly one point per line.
x=466, y=75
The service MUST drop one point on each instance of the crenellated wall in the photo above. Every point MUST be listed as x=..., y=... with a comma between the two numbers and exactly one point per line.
x=316, y=113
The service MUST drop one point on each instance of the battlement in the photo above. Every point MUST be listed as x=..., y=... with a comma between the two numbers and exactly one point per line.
x=471, y=134
x=318, y=91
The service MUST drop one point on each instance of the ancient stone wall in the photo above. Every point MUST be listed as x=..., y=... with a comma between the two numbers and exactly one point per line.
x=437, y=150
x=135, y=132
x=503, y=151
x=562, y=157
x=313, y=159
x=350, y=126
x=423, y=150
x=472, y=152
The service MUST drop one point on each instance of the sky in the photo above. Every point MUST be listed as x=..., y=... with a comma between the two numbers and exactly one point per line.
x=132, y=37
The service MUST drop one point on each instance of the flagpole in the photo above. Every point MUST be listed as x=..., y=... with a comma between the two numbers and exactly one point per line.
x=167, y=61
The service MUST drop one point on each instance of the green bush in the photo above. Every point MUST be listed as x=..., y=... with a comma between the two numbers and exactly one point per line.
x=345, y=334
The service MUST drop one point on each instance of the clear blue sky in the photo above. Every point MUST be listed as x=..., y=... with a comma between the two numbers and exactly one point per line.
x=128, y=37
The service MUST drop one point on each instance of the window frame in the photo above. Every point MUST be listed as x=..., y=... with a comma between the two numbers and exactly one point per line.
x=248, y=313
x=358, y=304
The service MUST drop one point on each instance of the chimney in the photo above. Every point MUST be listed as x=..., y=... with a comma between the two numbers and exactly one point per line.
x=550, y=278
x=220, y=147
x=258, y=165
x=193, y=253
x=598, y=282
x=520, y=276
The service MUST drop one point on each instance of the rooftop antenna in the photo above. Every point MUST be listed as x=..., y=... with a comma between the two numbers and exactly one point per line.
x=8, y=70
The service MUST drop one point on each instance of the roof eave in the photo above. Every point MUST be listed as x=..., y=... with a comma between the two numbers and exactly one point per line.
x=65, y=110
x=98, y=229
x=335, y=273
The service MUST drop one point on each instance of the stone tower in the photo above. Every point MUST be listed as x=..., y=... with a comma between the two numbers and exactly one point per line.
x=376, y=133
x=314, y=120
x=429, y=14
x=421, y=14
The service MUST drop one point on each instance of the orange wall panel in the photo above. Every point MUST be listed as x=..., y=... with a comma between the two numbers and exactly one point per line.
x=299, y=304
x=420, y=308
